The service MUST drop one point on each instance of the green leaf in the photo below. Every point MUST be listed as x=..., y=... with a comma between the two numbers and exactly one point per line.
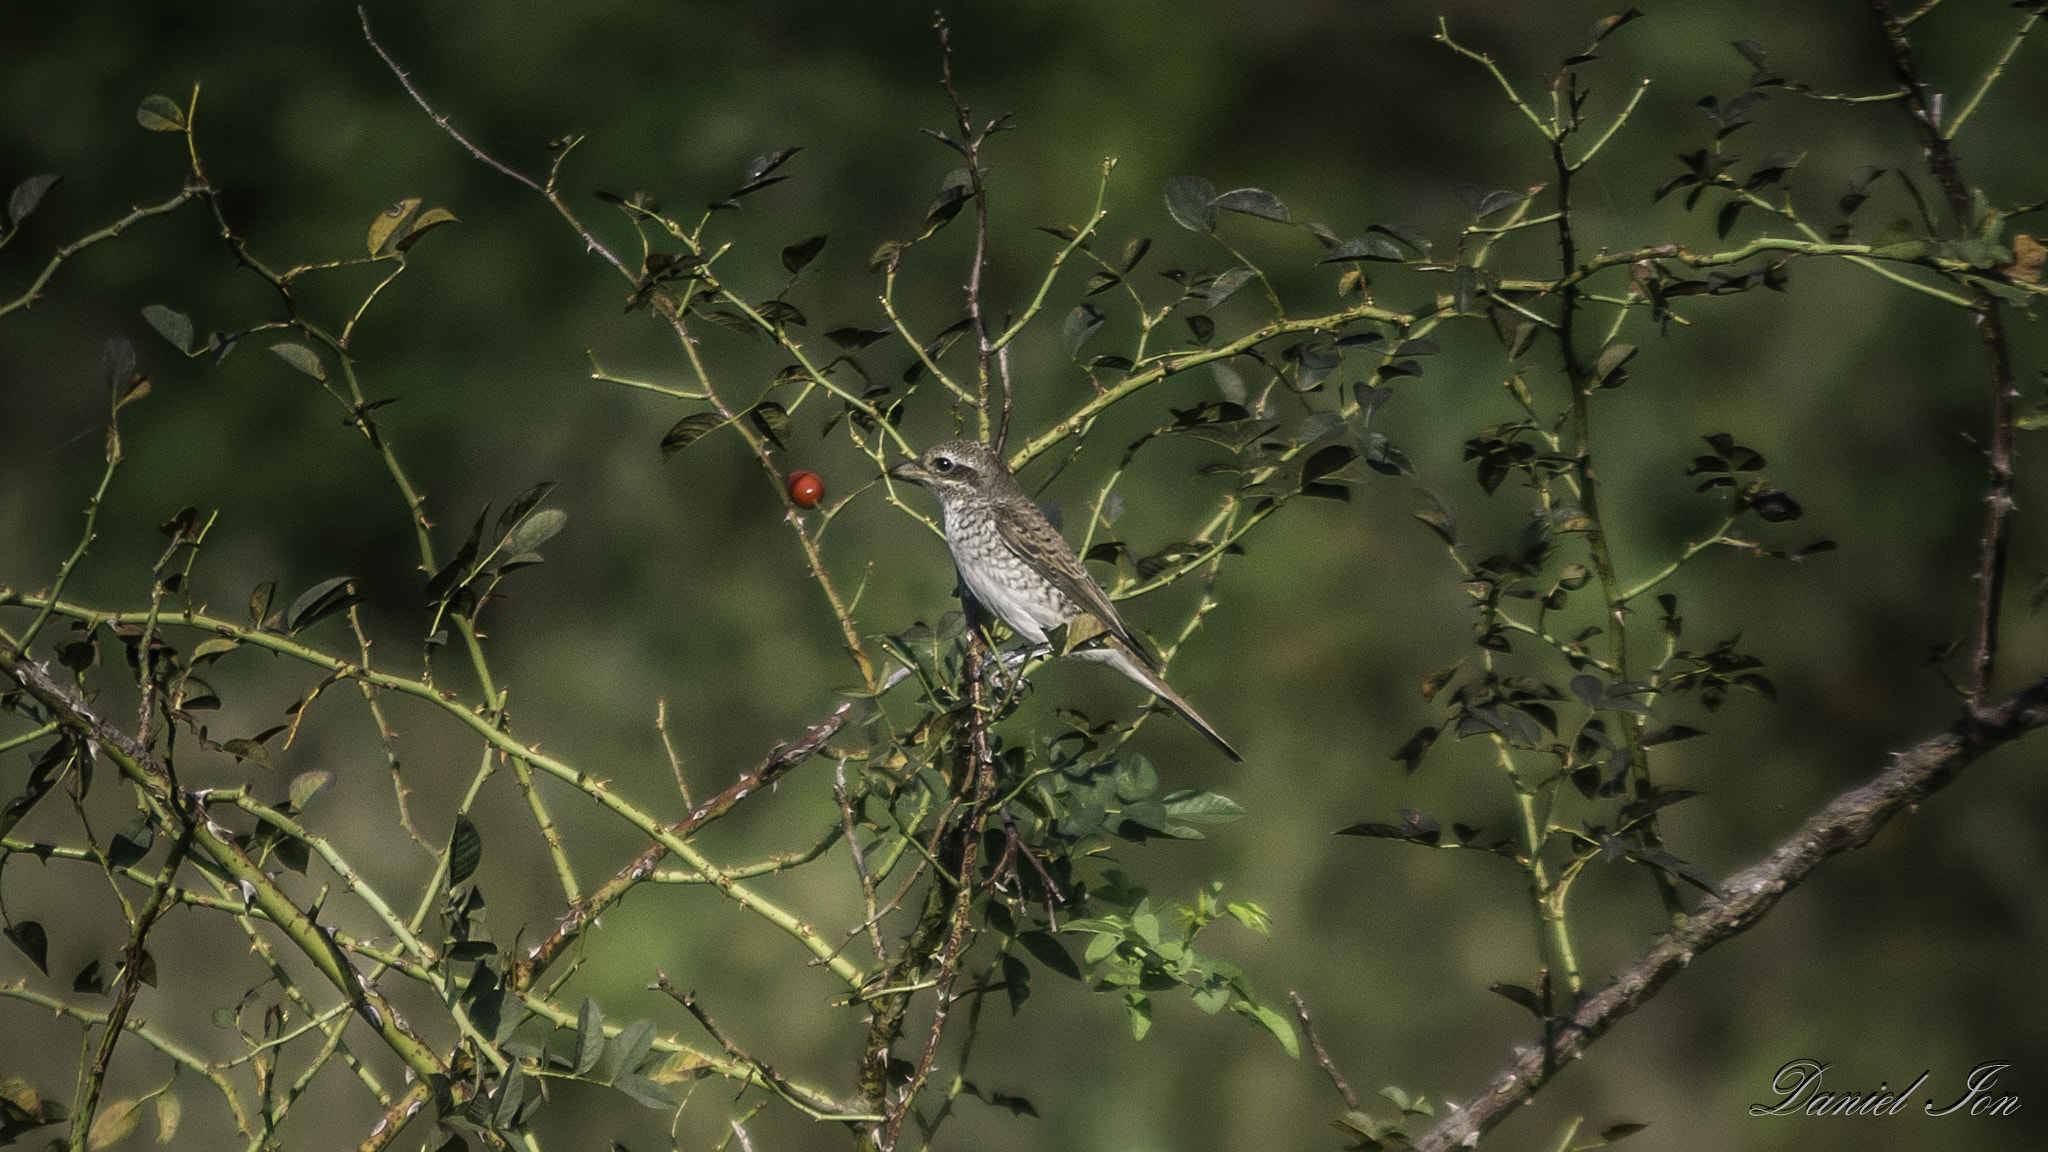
x=536, y=530
x=160, y=114
x=117, y=365
x=649, y=1092
x=1189, y=200
x=259, y=601
x=1081, y=325
x=28, y=935
x=688, y=431
x=1139, y=1007
x=1253, y=202
x=772, y=420
x=308, y=787
x=113, y=1124
x=245, y=749
x=1280, y=1026
x=170, y=324
x=318, y=602
x=799, y=255
x=169, y=1111
x=628, y=1048
x=302, y=357
x=589, y=1036
x=1201, y=807
x=1251, y=916
x=465, y=851
x=25, y=197
x=511, y=1094
x=1363, y=248
x=430, y=219
x=1047, y=950
x=1226, y=284
x=1464, y=288
x=390, y=224
x=1611, y=359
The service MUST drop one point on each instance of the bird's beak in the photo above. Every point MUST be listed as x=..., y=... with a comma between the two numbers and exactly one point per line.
x=910, y=470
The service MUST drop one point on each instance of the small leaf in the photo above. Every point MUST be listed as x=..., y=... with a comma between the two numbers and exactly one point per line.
x=117, y=365
x=1495, y=201
x=259, y=601
x=429, y=220
x=589, y=1036
x=799, y=255
x=465, y=851
x=646, y=1091
x=1411, y=753
x=308, y=786
x=113, y=1124
x=688, y=431
x=854, y=339
x=1190, y=201
x=171, y=324
x=160, y=114
x=318, y=602
x=1081, y=325
x=1253, y=202
x=28, y=935
x=242, y=749
x=772, y=421
x=1611, y=359
x=1363, y=248
x=1226, y=285
x=511, y=1096
x=536, y=530
x=302, y=357
x=169, y=1111
x=1519, y=995
x=628, y=1048
x=25, y=197
x=757, y=175
x=1280, y=1026
x=1047, y=950
x=390, y=224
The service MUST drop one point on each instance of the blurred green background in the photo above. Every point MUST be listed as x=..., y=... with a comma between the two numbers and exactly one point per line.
x=680, y=582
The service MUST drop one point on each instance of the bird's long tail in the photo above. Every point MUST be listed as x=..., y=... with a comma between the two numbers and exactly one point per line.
x=1113, y=654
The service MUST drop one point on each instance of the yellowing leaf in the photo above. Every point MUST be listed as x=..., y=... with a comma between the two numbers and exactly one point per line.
x=390, y=224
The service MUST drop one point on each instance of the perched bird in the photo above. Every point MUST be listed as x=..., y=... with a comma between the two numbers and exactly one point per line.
x=1017, y=565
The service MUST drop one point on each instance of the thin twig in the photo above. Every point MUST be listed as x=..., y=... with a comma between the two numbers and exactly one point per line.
x=547, y=190
x=1994, y=543
x=570, y=925
x=1315, y=1043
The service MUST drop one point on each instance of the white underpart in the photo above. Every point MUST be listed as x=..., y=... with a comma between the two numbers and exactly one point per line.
x=1030, y=617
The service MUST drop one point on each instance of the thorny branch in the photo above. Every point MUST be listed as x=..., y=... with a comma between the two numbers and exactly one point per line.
x=1850, y=820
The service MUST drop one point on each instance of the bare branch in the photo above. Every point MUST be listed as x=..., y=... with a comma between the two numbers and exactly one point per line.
x=1850, y=820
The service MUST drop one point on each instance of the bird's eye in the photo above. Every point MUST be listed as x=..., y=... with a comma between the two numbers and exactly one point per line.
x=942, y=463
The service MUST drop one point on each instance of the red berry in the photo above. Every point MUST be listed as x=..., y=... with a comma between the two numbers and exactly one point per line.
x=805, y=489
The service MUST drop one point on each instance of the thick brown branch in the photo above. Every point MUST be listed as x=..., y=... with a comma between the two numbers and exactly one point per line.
x=1850, y=820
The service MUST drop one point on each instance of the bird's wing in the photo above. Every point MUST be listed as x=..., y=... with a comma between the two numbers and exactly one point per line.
x=1027, y=533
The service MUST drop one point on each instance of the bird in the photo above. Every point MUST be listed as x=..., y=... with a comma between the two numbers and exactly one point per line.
x=1014, y=563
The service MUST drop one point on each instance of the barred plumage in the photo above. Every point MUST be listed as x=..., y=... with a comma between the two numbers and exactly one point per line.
x=1017, y=565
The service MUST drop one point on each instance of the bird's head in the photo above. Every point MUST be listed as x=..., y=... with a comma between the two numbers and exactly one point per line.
x=954, y=469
